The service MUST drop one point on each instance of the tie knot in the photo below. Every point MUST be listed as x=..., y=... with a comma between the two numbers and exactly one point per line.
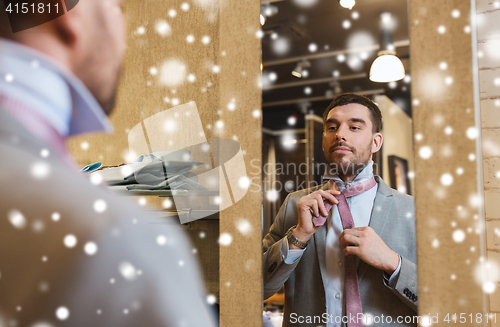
x=359, y=188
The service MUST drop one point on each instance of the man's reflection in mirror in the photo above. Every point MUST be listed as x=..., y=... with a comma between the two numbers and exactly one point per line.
x=345, y=250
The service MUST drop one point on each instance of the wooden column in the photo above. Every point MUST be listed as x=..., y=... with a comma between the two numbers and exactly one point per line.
x=241, y=262
x=448, y=218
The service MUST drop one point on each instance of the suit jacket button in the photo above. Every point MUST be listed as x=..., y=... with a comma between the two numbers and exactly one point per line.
x=416, y=298
x=406, y=290
x=272, y=267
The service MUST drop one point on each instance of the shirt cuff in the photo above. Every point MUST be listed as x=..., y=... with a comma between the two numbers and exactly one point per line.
x=393, y=279
x=290, y=256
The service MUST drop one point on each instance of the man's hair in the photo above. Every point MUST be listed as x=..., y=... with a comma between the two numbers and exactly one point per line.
x=347, y=98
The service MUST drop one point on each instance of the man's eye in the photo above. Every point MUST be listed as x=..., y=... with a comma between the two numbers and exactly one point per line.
x=354, y=127
x=332, y=128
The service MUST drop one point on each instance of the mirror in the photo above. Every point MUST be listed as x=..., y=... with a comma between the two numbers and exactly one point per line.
x=311, y=52
x=452, y=99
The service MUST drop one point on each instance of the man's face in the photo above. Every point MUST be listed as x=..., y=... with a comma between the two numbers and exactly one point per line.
x=348, y=139
x=104, y=44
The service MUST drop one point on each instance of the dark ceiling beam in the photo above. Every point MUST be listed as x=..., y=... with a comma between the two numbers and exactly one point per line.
x=287, y=131
x=397, y=44
x=314, y=99
x=314, y=81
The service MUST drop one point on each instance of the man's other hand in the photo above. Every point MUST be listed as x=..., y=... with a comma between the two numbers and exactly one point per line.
x=364, y=243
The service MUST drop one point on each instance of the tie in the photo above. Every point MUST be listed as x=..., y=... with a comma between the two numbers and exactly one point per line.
x=353, y=299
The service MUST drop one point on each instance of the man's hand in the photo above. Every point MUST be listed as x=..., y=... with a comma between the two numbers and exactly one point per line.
x=312, y=202
x=364, y=243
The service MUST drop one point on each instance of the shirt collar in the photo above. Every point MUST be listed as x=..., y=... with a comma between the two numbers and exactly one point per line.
x=364, y=175
x=48, y=87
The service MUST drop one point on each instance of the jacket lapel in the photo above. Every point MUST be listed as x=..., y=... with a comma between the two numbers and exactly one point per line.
x=382, y=207
x=319, y=242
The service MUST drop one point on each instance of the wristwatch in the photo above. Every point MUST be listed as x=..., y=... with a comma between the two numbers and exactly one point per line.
x=295, y=241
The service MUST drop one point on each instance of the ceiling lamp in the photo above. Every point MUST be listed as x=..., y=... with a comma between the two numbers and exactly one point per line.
x=387, y=67
x=347, y=3
x=266, y=11
x=336, y=88
x=269, y=10
x=298, y=71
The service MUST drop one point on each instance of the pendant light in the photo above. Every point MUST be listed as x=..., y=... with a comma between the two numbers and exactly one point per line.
x=387, y=67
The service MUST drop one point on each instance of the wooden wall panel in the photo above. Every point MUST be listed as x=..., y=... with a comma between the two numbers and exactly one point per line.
x=449, y=224
x=215, y=40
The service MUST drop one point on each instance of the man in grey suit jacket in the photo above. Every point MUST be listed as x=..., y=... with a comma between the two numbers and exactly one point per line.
x=72, y=253
x=384, y=243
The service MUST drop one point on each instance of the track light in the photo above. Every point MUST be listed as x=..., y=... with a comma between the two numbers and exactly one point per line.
x=298, y=71
x=266, y=11
x=269, y=10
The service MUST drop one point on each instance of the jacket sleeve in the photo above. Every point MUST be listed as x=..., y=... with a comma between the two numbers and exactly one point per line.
x=275, y=271
x=406, y=286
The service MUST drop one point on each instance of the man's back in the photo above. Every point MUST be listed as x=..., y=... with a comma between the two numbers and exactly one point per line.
x=70, y=247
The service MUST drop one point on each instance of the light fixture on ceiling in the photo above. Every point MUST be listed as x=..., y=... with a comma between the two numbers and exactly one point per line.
x=334, y=89
x=305, y=107
x=269, y=10
x=387, y=67
x=266, y=11
x=337, y=89
x=299, y=69
x=347, y=3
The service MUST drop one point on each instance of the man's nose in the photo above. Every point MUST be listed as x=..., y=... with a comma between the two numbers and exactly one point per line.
x=341, y=133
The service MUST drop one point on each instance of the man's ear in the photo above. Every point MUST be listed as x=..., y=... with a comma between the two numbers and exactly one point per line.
x=378, y=139
x=69, y=26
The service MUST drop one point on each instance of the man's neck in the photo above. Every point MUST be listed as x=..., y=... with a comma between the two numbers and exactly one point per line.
x=347, y=179
x=47, y=86
x=357, y=174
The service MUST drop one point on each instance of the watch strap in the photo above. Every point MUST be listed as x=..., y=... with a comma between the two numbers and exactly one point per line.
x=295, y=241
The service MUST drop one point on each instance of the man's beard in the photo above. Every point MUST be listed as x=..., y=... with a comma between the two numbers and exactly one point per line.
x=347, y=168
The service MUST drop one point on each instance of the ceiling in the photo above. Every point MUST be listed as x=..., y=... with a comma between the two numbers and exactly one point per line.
x=316, y=30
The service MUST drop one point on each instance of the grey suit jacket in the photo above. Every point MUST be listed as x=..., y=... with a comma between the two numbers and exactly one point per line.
x=392, y=219
x=132, y=280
